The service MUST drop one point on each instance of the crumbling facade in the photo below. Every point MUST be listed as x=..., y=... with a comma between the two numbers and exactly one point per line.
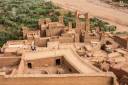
x=56, y=54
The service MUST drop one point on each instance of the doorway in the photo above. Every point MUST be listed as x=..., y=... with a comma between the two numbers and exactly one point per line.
x=58, y=62
x=29, y=65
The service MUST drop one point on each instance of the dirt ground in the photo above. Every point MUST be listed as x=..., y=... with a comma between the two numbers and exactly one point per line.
x=98, y=9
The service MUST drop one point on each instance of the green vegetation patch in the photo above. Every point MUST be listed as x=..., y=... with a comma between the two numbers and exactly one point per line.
x=17, y=13
x=104, y=26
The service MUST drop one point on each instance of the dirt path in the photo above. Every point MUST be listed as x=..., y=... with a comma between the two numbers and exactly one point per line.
x=113, y=16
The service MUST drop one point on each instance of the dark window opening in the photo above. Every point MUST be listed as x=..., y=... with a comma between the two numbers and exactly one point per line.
x=82, y=37
x=103, y=47
x=44, y=22
x=70, y=70
x=57, y=61
x=108, y=43
x=29, y=65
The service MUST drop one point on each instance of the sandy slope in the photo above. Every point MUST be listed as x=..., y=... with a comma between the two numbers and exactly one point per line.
x=116, y=17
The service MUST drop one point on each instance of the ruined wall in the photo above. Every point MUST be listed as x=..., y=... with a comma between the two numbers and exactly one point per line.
x=43, y=30
x=51, y=62
x=53, y=32
x=122, y=42
x=65, y=80
x=8, y=61
x=41, y=42
x=43, y=62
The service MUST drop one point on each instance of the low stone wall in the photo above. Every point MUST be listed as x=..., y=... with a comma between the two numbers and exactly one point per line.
x=8, y=61
x=57, y=80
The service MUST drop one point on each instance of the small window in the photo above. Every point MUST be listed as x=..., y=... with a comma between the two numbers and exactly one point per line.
x=108, y=43
x=70, y=70
x=44, y=22
x=29, y=65
x=57, y=61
